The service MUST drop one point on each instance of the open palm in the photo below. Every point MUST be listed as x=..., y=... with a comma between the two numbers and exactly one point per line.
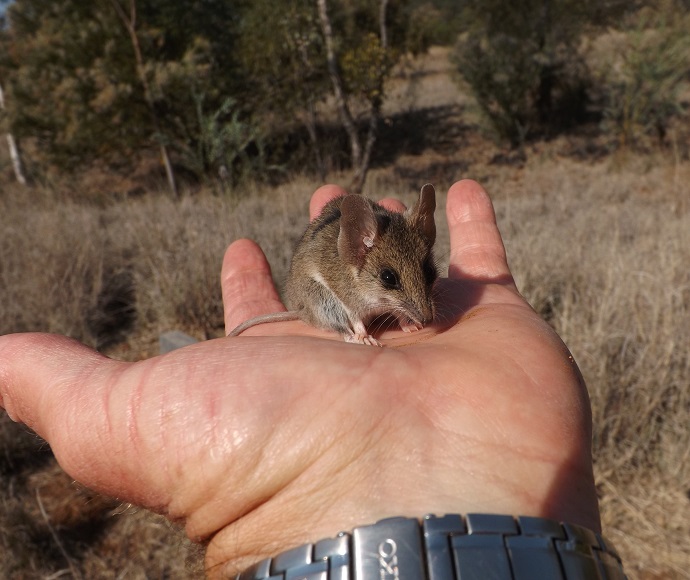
x=286, y=434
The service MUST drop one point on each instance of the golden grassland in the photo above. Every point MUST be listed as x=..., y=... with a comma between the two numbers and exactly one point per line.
x=599, y=244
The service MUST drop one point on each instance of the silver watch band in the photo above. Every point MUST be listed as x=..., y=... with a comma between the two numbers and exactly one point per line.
x=450, y=547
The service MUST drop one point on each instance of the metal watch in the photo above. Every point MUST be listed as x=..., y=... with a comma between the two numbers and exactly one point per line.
x=450, y=547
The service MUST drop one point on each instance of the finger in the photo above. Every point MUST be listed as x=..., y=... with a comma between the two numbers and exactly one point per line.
x=322, y=196
x=328, y=192
x=140, y=432
x=476, y=249
x=21, y=372
x=246, y=284
x=392, y=204
x=72, y=397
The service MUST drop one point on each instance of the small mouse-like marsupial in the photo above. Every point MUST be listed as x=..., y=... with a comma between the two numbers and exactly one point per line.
x=357, y=262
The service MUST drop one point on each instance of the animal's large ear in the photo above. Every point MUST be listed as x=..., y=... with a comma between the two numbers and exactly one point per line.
x=421, y=214
x=358, y=229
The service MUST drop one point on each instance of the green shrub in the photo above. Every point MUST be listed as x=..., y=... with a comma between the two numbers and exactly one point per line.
x=501, y=76
x=641, y=79
x=523, y=64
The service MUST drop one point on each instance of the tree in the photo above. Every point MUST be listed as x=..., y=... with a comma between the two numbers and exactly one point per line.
x=129, y=21
x=206, y=83
x=642, y=79
x=66, y=81
x=367, y=69
x=12, y=145
x=282, y=54
x=521, y=60
x=311, y=50
x=107, y=80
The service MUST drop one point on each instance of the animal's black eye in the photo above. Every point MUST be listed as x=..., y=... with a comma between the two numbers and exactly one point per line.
x=389, y=278
x=430, y=272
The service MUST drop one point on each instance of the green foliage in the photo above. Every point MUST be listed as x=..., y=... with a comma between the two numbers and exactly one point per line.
x=365, y=66
x=76, y=87
x=224, y=143
x=63, y=56
x=502, y=76
x=642, y=79
x=283, y=51
x=429, y=24
x=522, y=63
x=213, y=75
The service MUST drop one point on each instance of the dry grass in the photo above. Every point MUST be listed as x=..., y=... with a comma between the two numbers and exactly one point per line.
x=603, y=255
x=148, y=264
x=600, y=248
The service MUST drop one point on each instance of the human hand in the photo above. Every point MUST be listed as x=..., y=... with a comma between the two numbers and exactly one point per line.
x=280, y=437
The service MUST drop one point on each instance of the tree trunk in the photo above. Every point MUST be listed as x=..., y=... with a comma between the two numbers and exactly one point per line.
x=361, y=159
x=360, y=175
x=130, y=24
x=382, y=24
x=14, y=150
x=310, y=121
x=16, y=159
x=310, y=124
x=361, y=170
x=338, y=92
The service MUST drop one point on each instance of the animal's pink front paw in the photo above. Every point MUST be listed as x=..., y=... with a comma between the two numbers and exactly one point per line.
x=411, y=326
x=358, y=338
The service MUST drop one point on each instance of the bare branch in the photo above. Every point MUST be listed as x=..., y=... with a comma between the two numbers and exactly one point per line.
x=376, y=103
x=14, y=150
x=130, y=25
x=338, y=92
x=382, y=23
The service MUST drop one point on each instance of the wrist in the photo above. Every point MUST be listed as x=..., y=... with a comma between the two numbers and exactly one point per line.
x=450, y=547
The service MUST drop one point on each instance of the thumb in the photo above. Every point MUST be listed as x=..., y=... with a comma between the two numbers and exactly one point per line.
x=247, y=285
x=29, y=366
x=88, y=408
x=477, y=252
